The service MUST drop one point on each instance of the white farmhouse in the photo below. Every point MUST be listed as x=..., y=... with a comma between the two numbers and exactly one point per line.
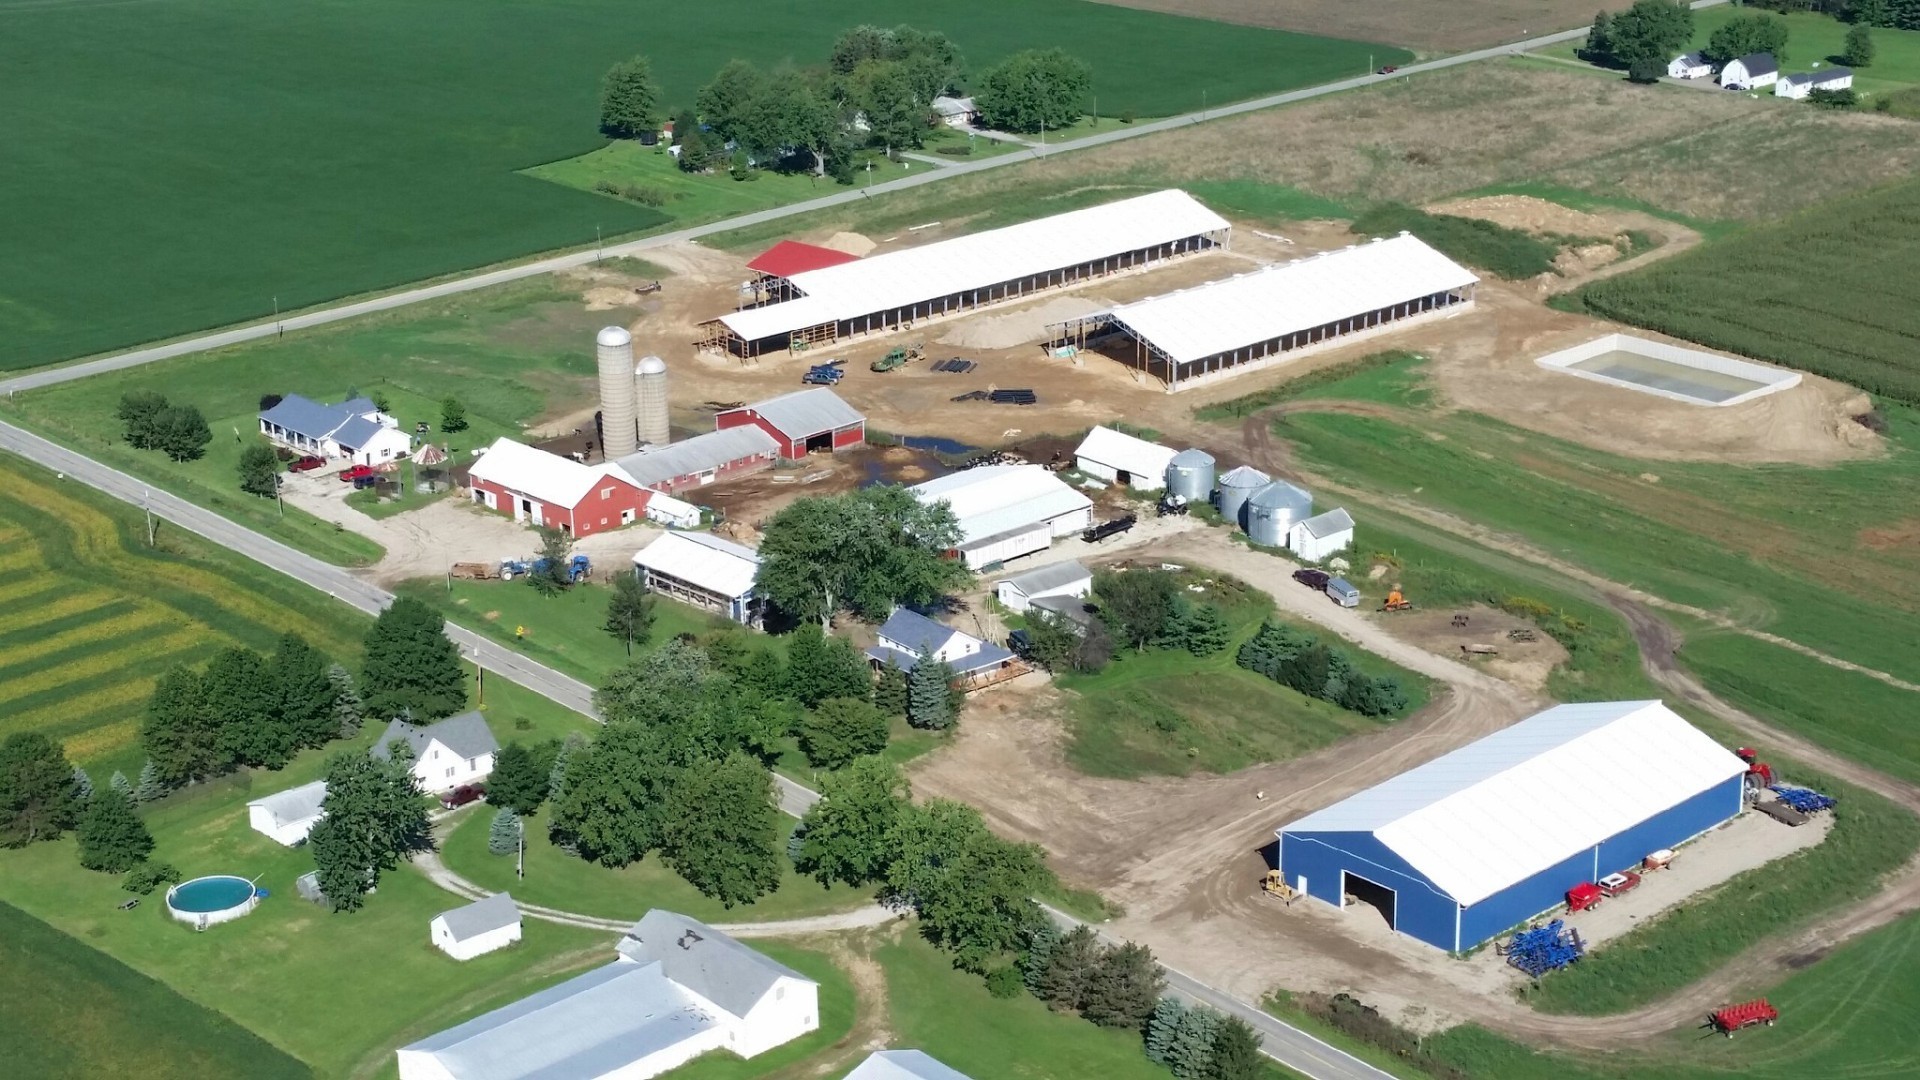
x=904, y=1065
x=287, y=816
x=1689, y=66
x=455, y=751
x=1750, y=72
x=1067, y=579
x=473, y=929
x=1321, y=535
x=1799, y=86
x=1120, y=458
x=906, y=634
x=676, y=989
x=356, y=430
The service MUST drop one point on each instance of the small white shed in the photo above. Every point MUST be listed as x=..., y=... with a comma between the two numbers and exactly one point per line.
x=1057, y=579
x=1689, y=66
x=287, y=816
x=1321, y=535
x=477, y=928
x=1120, y=458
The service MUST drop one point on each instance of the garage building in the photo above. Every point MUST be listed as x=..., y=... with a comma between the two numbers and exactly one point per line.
x=1006, y=511
x=882, y=293
x=1482, y=839
x=1260, y=318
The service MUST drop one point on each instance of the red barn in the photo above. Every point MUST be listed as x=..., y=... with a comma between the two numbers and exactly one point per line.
x=802, y=422
x=547, y=489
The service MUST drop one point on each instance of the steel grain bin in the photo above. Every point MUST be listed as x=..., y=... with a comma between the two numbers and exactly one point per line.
x=1190, y=475
x=1236, y=486
x=1273, y=509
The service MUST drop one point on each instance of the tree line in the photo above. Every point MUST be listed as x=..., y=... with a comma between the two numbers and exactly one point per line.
x=1140, y=608
x=151, y=422
x=1299, y=660
x=43, y=796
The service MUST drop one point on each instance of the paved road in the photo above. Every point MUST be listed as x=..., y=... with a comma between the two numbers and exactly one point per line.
x=841, y=196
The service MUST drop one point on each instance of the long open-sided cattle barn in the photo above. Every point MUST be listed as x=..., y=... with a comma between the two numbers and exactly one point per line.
x=892, y=291
x=1248, y=321
x=1488, y=836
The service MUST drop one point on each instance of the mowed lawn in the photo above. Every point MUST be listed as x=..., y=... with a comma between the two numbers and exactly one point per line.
x=90, y=615
x=227, y=155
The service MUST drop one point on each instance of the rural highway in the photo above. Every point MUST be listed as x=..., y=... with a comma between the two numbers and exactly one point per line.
x=320, y=317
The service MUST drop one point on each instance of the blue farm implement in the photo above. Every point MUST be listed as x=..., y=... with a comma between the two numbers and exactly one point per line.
x=1802, y=799
x=1545, y=948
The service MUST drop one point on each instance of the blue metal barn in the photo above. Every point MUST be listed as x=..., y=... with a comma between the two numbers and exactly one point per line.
x=1484, y=838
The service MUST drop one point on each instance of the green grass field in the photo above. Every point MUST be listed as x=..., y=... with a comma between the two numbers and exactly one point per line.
x=90, y=615
x=1166, y=711
x=89, y=1015
x=238, y=154
x=1815, y=39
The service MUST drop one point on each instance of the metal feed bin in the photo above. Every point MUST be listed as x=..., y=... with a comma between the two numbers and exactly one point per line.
x=1273, y=509
x=1190, y=475
x=1236, y=486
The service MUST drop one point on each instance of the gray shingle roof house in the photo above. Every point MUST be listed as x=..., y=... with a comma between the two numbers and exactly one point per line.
x=356, y=429
x=903, y=1065
x=906, y=634
x=676, y=989
x=446, y=754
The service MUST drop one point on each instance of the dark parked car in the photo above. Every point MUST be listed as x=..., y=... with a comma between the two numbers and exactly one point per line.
x=307, y=464
x=462, y=795
x=1311, y=578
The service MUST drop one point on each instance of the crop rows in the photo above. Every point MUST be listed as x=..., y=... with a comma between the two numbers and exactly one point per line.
x=1835, y=292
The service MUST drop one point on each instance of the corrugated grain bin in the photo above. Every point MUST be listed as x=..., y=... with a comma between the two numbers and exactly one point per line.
x=1236, y=486
x=1190, y=475
x=1273, y=509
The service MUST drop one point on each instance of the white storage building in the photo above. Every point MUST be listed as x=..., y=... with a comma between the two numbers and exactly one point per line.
x=1006, y=511
x=1797, y=87
x=703, y=570
x=1068, y=579
x=1120, y=458
x=1259, y=318
x=1750, y=72
x=474, y=929
x=1321, y=535
x=885, y=292
x=903, y=1065
x=1689, y=66
x=286, y=817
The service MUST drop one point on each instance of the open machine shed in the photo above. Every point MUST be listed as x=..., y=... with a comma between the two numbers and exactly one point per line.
x=1484, y=838
x=1248, y=321
x=891, y=291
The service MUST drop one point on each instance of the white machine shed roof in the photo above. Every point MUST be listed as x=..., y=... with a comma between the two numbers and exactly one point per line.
x=1278, y=300
x=899, y=279
x=1502, y=809
x=719, y=566
x=994, y=499
x=549, y=478
x=1123, y=451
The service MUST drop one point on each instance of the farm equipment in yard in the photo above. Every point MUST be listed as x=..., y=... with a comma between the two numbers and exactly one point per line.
x=1478, y=650
x=579, y=568
x=1546, y=948
x=1732, y=1018
x=1583, y=896
x=1759, y=773
x=1396, y=601
x=1614, y=884
x=473, y=571
x=899, y=357
x=1805, y=800
x=1275, y=885
x=513, y=568
x=1171, y=505
x=1658, y=860
x=1110, y=528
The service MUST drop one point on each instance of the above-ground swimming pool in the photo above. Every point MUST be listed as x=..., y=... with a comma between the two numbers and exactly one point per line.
x=1669, y=371
x=205, y=901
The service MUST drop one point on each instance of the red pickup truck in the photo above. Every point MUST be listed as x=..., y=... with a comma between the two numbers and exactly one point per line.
x=462, y=795
x=307, y=464
x=358, y=472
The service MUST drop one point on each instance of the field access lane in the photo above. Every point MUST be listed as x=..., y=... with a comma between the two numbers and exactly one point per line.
x=323, y=316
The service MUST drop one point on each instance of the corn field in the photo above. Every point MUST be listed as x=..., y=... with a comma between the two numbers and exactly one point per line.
x=1834, y=291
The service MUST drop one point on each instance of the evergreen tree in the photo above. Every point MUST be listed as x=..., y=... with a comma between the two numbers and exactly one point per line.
x=1236, y=1052
x=1204, y=631
x=629, y=611
x=1161, y=1028
x=1139, y=605
x=853, y=833
x=1598, y=48
x=149, y=787
x=890, y=690
x=761, y=674
x=930, y=703
x=112, y=837
x=82, y=785
x=842, y=729
x=1127, y=982
x=722, y=830
x=179, y=733
x=821, y=667
x=503, y=836
x=1307, y=671
x=119, y=782
x=1042, y=938
x=259, y=470
x=629, y=99
x=518, y=782
x=1066, y=984
x=37, y=796
x=557, y=775
x=453, y=416
x=306, y=693
x=410, y=664
x=1190, y=1052
x=1859, y=49
x=347, y=717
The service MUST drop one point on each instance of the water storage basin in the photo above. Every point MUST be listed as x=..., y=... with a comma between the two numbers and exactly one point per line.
x=1669, y=371
x=205, y=901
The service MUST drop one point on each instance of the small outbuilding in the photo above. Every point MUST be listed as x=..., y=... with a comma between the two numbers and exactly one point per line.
x=285, y=817
x=1798, y=86
x=1062, y=579
x=803, y=422
x=956, y=112
x=906, y=634
x=1120, y=458
x=446, y=754
x=1750, y=72
x=477, y=928
x=1689, y=66
x=1322, y=535
x=903, y=1065
x=705, y=571
x=1006, y=511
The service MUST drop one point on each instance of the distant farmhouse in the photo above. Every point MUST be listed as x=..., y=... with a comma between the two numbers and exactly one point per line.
x=1798, y=86
x=1750, y=72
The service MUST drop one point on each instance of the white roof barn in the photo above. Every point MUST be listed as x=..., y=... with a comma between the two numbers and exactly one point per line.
x=1120, y=458
x=1005, y=511
x=903, y=1065
x=287, y=816
x=547, y=477
x=490, y=923
x=703, y=570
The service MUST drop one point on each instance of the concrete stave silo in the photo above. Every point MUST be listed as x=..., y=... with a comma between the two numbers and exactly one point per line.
x=1190, y=475
x=1236, y=485
x=650, y=400
x=1273, y=509
x=614, y=354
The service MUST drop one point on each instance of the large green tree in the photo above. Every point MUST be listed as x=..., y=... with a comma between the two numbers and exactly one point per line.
x=677, y=689
x=411, y=665
x=821, y=667
x=1647, y=36
x=38, y=798
x=111, y=836
x=840, y=729
x=180, y=734
x=1859, y=49
x=1034, y=90
x=629, y=612
x=181, y=432
x=519, y=779
x=729, y=101
x=612, y=803
x=139, y=412
x=865, y=551
x=239, y=695
x=1127, y=983
x=972, y=890
x=1744, y=35
x=852, y=834
x=1066, y=981
x=305, y=694
x=259, y=470
x=1235, y=1052
x=629, y=99
x=374, y=816
x=722, y=829
x=1137, y=604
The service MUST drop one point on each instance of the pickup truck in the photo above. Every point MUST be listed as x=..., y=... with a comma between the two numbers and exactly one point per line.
x=307, y=464
x=462, y=795
x=1312, y=579
x=358, y=472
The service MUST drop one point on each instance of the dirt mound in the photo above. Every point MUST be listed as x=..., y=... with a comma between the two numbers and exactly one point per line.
x=850, y=242
x=1529, y=214
x=1022, y=327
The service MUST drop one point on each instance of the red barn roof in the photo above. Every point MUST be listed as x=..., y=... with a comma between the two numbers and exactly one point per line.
x=790, y=257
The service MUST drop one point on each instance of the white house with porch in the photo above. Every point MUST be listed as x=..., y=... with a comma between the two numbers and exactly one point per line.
x=356, y=430
x=447, y=754
x=1689, y=66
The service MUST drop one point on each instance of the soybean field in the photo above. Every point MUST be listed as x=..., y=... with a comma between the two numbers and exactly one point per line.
x=1834, y=291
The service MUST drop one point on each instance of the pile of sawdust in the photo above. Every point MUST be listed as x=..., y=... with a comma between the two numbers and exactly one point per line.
x=850, y=242
x=1022, y=327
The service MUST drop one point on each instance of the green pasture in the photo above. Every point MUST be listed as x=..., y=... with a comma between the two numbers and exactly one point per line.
x=231, y=156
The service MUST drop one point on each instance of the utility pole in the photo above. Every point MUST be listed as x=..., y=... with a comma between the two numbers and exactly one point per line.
x=146, y=494
x=599, y=246
x=479, y=673
x=520, y=867
x=279, y=328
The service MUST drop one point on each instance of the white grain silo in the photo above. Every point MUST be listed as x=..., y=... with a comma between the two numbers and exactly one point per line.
x=650, y=396
x=617, y=404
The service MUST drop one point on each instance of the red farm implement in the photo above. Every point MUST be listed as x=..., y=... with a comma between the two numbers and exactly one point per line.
x=1744, y=1015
